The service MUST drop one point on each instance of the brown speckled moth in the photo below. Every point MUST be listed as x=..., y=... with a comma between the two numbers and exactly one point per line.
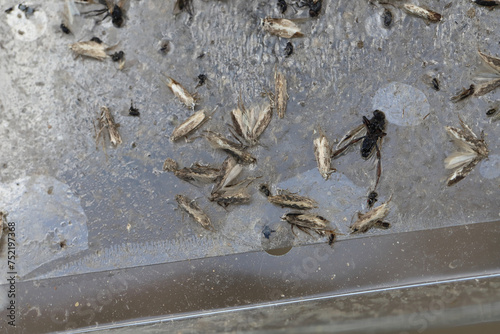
x=280, y=93
x=289, y=200
x=194, y=211
x=372, y=218
x=91, y=49
x=307, y=221
x=422, y=12
x=229, y=171
x=217, y=141
x=106, y=121
x=473, y=150
x=323, y=153
x=281, y=27
x=181, y=93
x=195, y=173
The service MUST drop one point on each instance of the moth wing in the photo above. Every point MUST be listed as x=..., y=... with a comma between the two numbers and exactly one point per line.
x=492, y=62
x=458, y=159
x=263, y=121
x=461, y=173
x=484, y=88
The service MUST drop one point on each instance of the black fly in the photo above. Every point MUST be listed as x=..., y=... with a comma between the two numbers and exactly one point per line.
x=96, y=39
x=115, y=10
x=282, y=6
x=435, y=84
x=314, y=6
x=8, y=10
x=374, y=133
x=65, y=29
x=387, y=18
x=267, y=231
x=133, y=111
x=288, y=49
x=202, y=79
x=117, y=56
x=184, y=6
x=372, y=198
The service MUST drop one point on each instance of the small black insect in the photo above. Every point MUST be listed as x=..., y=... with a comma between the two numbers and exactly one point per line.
x=487, y=3
x=267, y=232
x=374, y=133
x=282, y=6
x=263, y=188
x=65, y=29
x=202, y=78
x=117, y=56
x=96, y=39
x=8, y=10
x=184, y=6
x=165, y=47
x=331, y=239
x=387, y=18
x=372, y=198
x=491, y=112
x=115, y=10
x=435, y=84
x=133, y=111
x=288, y=49
x=314, y=6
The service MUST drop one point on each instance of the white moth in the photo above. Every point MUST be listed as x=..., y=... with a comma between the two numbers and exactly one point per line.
x=106, y=121
x=181, y=93
x=323, y=153
x=92, y=49
x=281, y=27
x=193, y=123
x=471, y=151
x=422, y=12
x=249, y=124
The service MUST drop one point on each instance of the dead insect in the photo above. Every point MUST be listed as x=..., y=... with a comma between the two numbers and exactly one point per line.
x=237, y=150
x=165, y=47
x=267, y=231
x=181, y=93
x=3, y=221
x=288, y=49
x=387, y=18
x=487, y=3
x=288, y=200
x=8, y=10
x=117, y=56
x=372, y=218
x=280, y=93
x=234, y=194
x=494, y=64
x=133, y=111
x=229, y=171
x=435, y=84
x=306, y=222
x=314, y=6
x=115, y=10
x=195, y=173
x=94, y=48
x=184, y=6
x=473, y=150
x=281, y=28
x=194, y=211
x=193, y=123
x=282, y=6
x=65, y=29
x=331, y=238
x=323, y=154
x=491, y=112
x=374, y=128
x=372, y=198
x=422, y=12
x=465, y=93
x=106, y=121
x=202, y=78
x=249, y=124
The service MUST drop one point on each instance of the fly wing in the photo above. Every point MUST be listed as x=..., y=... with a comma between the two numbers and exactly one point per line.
x=352, y=133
